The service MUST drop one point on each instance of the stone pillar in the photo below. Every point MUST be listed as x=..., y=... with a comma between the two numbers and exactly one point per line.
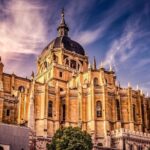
x=19, y=108
x=31, y=114
x=46, y=110
x=12, y=82
x=67, y=107
x=57, y=108
x=130, y=109
x=80, y=106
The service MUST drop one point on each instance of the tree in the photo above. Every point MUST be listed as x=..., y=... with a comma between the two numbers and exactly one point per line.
x=70, y=139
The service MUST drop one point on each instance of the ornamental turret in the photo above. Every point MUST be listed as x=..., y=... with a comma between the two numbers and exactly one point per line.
x=62, y=28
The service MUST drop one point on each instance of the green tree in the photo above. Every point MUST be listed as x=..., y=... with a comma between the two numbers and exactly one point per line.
x=70, y=139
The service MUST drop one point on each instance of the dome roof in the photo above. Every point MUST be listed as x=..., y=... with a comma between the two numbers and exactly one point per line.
x=63, y=41
x=66, y=43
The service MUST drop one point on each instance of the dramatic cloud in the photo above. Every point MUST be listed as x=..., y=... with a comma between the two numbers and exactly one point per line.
x=22, y=32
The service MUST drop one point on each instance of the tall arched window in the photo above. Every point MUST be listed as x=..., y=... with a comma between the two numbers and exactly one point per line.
x=50, y=109
x=55, y=58
x=134, y=112
x=67, y=62
x=118, y=109
x=73, y=64
x=95, y=81
x=21, y=89
x=64, y=112
x=143, y=116
x=99, y=109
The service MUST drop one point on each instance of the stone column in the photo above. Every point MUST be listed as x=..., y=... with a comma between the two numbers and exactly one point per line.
x=130, y=109
x=67, y=107
x=19, y=108
x=57, y=108
x=80, y=106
x=31, y=114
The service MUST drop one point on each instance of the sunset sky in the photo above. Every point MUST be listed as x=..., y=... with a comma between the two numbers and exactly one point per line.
x=116, y=32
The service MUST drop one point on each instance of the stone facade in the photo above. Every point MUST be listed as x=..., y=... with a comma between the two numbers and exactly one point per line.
x=68, y=91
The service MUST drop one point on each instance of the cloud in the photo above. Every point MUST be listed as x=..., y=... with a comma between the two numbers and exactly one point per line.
x=97, y=31
x=127, y=45
x=23, y=29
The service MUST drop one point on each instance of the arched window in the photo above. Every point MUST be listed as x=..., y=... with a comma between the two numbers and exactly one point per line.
x=67, y=62
x=134, y=112
x=50, y=109
x=64, y=112
x=95, y=81
x=21, y=89
x=45, y=64
x=143, y=116
x=55, y=58
x=73, y=64
x=118, y=109
x=99, y=109
x=61, y=89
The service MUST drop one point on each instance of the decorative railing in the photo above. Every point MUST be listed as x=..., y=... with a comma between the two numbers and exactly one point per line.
x=128, y=133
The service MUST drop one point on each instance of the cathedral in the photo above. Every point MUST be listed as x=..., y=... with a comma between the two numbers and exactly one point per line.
x=68, y=91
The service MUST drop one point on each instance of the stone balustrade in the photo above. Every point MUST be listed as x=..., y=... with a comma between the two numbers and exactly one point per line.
x=128, y=133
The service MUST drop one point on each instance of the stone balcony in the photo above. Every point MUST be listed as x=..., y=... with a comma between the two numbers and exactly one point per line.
x=132, y=134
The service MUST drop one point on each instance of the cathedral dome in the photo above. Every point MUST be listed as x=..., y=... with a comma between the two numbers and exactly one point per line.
x=66, y=43
x=63, y=41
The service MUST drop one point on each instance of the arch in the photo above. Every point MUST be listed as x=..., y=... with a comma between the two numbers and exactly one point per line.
x=99, y=109
x=63, y=112
x=73, y=64
x=61, y=89
x=55, y=58
x=45, y=64
x=95, y=81
x=118, y=109
x=21, y=89
x=67, y=62
x=50, y=109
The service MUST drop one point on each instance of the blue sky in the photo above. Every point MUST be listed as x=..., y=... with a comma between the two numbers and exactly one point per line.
x=116, y=32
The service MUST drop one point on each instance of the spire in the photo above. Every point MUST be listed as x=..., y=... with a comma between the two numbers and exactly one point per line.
x=129, y=85
x=101, y=65
x=94, y=63
x=63, y=28
x=110, y=68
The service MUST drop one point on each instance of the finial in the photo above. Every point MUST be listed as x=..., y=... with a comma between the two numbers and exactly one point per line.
x=141, y=91
x=94, y=64
x=63, y=28
x=129, y=85
x=137, y=87
x=110, y=68
x=147, y=94
x=62, y=12
x=101, y=65
x=89, y=66
x=32, y=75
